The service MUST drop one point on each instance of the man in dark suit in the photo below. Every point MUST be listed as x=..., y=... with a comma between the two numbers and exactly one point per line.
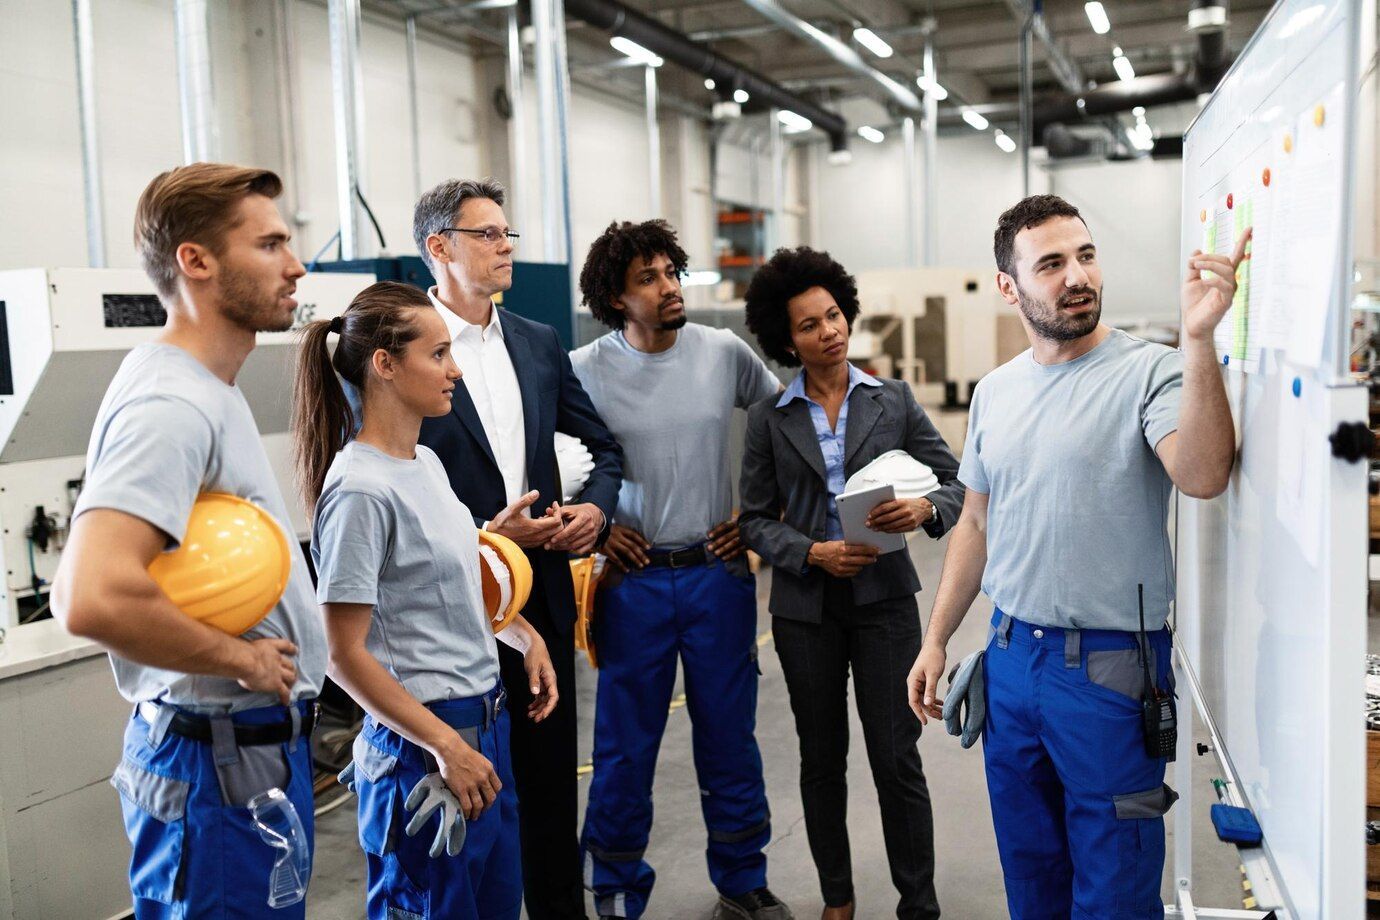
x=497, y=444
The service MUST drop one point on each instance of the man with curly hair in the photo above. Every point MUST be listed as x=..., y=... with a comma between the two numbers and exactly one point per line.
x=667, y=389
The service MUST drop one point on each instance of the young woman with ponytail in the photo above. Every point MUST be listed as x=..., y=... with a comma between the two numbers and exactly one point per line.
x=397, y=559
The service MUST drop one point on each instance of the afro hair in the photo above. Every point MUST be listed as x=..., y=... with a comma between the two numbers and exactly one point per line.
x=606, y=266
x=789, y=273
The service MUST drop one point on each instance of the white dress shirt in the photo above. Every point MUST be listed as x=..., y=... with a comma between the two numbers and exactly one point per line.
x=493, y=385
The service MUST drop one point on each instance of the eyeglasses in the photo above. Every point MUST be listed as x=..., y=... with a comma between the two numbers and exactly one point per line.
x=489, y=235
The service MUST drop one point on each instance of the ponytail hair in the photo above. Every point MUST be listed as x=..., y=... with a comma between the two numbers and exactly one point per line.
x=380, y=317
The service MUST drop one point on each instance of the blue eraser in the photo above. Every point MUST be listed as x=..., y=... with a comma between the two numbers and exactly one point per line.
x=1236, y=825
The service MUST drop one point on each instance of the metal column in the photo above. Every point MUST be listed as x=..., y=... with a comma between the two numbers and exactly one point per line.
x=416, y=125
x=285, y=49
x=548, y=20
x=1027, y=102
x=928, y=188
x=653, y=142
x=346, y=80
x=778, y=183
x=518, y=193
x=90, y=138
x=909, y=205
x=194, y=84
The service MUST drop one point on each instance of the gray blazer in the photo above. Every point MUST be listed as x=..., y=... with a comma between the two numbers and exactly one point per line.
x=784, y=495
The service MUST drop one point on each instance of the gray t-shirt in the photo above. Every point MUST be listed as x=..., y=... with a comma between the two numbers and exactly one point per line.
x=671, y=412
x=168, y=430
x=1078, y=506
x=391, y=533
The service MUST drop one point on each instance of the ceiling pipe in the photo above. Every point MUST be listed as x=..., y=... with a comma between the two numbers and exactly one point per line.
x=839, y=51
x=612, y=16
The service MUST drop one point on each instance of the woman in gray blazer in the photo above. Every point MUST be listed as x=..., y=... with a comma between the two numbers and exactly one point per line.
x=836, y=605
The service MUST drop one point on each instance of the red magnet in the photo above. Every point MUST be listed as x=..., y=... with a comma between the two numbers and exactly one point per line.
x=1228, y=201
x=1265, y=176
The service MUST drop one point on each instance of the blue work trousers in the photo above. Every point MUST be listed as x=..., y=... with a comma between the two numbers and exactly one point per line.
x=193, y=854
x=706, y=616
x=1077, y=803
x=484, y=882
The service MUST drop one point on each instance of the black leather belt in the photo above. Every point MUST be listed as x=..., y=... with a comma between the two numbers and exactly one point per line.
x=679, y=558
x=198, y=728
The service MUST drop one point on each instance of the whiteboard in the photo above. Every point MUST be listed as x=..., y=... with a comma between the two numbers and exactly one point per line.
x=1271, y=606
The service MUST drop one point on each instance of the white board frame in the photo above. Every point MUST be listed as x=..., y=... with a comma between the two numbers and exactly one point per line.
x=1335, y=889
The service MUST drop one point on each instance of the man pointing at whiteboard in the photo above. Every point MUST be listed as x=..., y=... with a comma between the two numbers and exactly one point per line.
x=1073, y=448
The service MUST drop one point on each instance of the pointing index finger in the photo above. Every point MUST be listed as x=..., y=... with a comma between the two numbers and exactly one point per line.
x=1239, y=254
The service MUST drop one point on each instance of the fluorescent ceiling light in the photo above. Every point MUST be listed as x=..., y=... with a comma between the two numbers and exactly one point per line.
x=931, y=86
x=974, y=118
x=635, y=51
x=1122, y=65
x=709, y=83
x=840, y=157
x=740, y=96
x=793, y=123
x=1097, y=17
x=870, y=40
x=1138, y=111
x=1005, y=142
x=869, y=133
x=700, y=279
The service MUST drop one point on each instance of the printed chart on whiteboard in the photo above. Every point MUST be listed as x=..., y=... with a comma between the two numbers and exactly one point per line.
x=1286, y=191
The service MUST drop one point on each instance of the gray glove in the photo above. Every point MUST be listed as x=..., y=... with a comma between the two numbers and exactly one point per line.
x=427, y=797
x=346, y=777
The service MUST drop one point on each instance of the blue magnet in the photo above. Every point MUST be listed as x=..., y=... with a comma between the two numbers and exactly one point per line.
x=1298, y=386
x=1225, y=358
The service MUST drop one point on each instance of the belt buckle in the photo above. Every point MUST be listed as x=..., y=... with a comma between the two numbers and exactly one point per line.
x=673, y=557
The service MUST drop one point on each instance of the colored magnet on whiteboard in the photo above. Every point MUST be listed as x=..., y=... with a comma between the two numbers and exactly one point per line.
x=1229, y=201
x=1225, y=359
x=1298, y=387
x=1319, y=115
x=1265, y=177
x=1202, y=216
x=1288, y=143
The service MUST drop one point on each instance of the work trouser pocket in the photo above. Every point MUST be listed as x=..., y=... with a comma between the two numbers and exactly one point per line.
x=1120, y=671
x=1140, y=836
x=155, y=815
x=255, y=769
x=378, y=794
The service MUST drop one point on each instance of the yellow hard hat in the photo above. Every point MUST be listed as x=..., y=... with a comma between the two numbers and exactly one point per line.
x=507, y=577
x=232, y=566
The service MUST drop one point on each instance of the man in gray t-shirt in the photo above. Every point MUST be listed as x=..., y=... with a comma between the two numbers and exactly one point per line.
x=667, y=390
x=219, y=718
x=1072, y=450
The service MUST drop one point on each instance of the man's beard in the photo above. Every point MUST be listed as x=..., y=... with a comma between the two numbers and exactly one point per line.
x=676, y=323
x=246, y=304
x=1049, y=324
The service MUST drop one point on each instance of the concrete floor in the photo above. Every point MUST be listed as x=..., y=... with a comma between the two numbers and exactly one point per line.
x=968, y=875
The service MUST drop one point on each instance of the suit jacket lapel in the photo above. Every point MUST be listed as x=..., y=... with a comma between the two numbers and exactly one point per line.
x=863, y=412
x=521, y=354
x=799, y=429
x=462, y=404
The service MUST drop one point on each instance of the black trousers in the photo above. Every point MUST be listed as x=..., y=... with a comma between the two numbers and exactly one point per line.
x=878, y=642
x=544, y=762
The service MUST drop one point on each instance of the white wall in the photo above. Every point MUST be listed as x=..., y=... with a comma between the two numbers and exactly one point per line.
x=1131, y=207
x=140, y=122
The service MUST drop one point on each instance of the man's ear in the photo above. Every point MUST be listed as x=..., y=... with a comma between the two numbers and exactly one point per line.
x=617, y=305
x=436, y=247
x=195, y=261
x=1006, y=286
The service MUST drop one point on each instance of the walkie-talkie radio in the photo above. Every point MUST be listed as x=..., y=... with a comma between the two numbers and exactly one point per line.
x=1159, y=718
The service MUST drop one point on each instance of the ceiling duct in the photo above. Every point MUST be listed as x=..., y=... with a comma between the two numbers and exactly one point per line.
x=674, y=46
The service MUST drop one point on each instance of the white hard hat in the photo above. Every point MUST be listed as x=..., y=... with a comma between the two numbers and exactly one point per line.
x=896, y=468
x=574, y=463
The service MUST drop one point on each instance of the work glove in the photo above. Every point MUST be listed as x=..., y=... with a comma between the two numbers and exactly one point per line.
x=346, y=777
x=427, y=797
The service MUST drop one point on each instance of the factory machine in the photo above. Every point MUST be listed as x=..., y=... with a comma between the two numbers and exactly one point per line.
x=63, y=334
x=939, y=329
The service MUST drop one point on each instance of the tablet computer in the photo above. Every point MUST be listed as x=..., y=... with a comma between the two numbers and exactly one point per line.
x=854, y=508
